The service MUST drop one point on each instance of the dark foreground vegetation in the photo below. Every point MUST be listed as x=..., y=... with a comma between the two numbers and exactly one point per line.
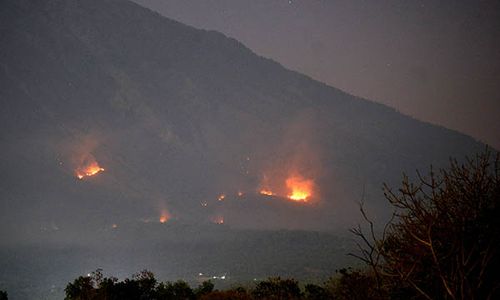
x=349, y=284
x=144, y=286
x=442, y=243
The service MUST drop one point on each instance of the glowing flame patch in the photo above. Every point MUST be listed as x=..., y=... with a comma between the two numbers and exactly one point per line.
x=165, y=216
x=266, y=192
x=300, y=188
x=218, y=220
x=221, y=197
x=90, y=169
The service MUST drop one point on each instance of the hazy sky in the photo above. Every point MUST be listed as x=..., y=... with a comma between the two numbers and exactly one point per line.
x=438, y=61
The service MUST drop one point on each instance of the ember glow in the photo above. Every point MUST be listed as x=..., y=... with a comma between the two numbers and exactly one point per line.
x=165, y=216
x=266, y=192
x=89, y=169
x=300, y=189
x=221, y=197
x=218, y=220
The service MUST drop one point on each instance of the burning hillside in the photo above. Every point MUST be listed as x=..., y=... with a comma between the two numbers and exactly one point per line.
x=300, y=189
x=295, y=187
x=90, y=167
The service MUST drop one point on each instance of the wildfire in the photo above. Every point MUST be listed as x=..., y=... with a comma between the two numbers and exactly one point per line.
x=90, y=169
x=240, y=193
x=266, y=192
x=221, y=197
x=300, y=188
x=219, y=220
x=165, y=216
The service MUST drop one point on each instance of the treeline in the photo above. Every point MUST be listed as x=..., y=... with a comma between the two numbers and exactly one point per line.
x=349, y=285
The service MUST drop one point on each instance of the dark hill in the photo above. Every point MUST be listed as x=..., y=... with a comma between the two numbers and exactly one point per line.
x=177, y=116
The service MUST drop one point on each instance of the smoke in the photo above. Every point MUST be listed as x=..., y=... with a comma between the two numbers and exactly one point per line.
x=297, y=155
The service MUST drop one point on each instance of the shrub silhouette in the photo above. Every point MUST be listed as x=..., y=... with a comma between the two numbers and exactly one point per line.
x=315, y=292
x=351, y=285
x=276, y=288
x=3, y=295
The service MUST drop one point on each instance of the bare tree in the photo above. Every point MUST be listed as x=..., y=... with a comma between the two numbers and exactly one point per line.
x=443, y=241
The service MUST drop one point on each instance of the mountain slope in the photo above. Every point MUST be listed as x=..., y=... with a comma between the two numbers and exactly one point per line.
x=176, y=116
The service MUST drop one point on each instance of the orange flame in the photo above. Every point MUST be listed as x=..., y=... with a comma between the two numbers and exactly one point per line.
x=89, y=169
x=221, y=197
x=300, y=188
x=165, y=216
x=266, y=192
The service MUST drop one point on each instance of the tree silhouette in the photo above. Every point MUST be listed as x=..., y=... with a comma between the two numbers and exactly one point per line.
x=81, y=288
x=443, y=241
x=205, y=288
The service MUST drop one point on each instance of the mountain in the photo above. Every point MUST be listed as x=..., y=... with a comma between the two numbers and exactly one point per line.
x=177, y=116
x=166, y=122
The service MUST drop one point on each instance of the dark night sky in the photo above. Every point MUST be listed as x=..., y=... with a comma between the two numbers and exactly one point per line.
x=438, y=61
